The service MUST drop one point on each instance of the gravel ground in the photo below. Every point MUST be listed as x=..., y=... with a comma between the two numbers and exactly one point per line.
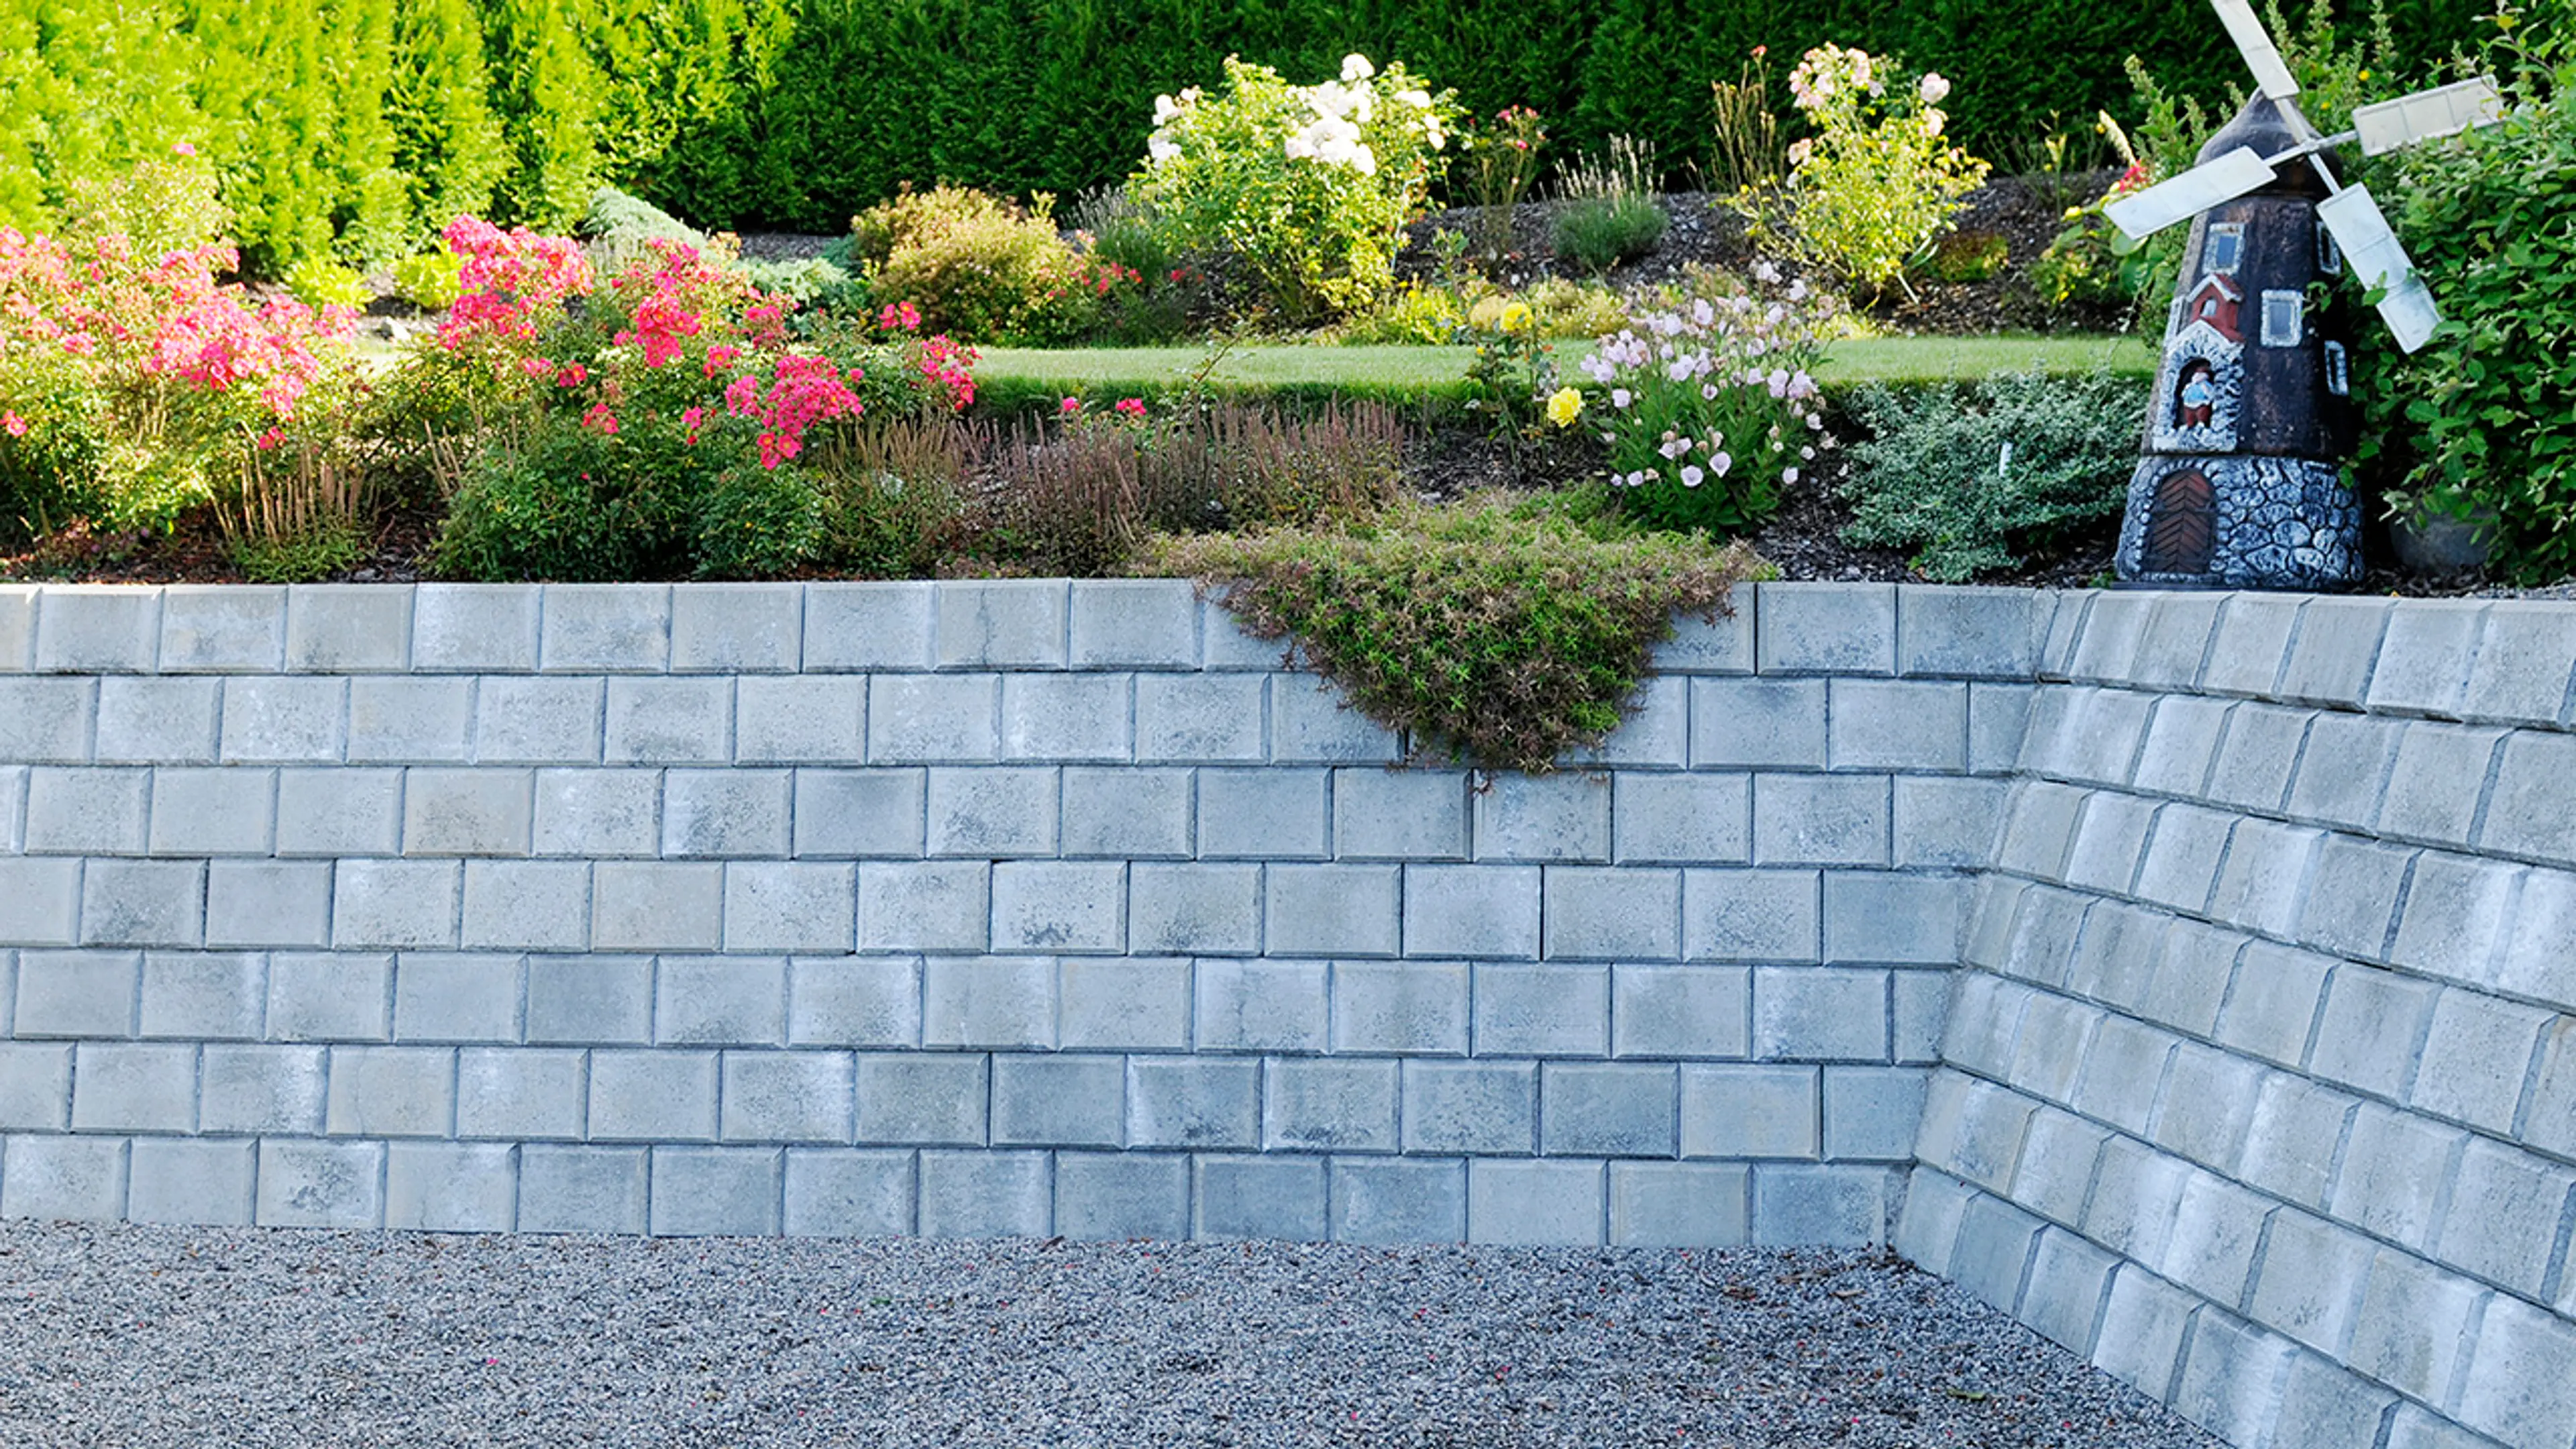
x=124, y=1335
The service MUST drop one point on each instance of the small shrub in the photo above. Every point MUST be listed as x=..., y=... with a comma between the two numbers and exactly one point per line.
x=1416, y=314
x=320, y=282
x=429, y=281
x=980, y=268
x=1504, y=635
x=1749, y=154
x=1968, y=256
x=1610, y=214
x=894, y=496
x=1975, y=476
x=622, y=229
x=299, y=513
x=1500, y=162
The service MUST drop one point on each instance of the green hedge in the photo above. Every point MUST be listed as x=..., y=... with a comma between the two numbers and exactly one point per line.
x=360, y=126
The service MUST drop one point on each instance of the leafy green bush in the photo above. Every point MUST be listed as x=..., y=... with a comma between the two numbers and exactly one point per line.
x=1610, y=213
x=1974, y=476
x=979, y=267
x=1502, y=634
x=322, y=282
x=430, y=281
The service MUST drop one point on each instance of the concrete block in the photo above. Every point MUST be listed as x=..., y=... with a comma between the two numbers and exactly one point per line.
x=143, y=903
x=2372, y=1029
x=1970, y=632
x=1821, y=820
x=473, y=628
x=1901, y=919
x=2424, y=659
x=1224, y=645
x=2069, y=1278
x=1059, y=1101
x=985, y=813
x=1819, y=1204
x=456, y=998
x=1983, y=1024
x=1751, y=915
x=1604, y=912
x=1400, y=815
x=860, y=812
x=788, y=906
x=47, y=719
x=1194, y=718
x=86, y=811
x=2110, y=840
x=2475, y=1058
x=669, y=721
x=2520, y=675
x=2141, y=1337
x=1123, y=1003
x=737, y=628
x=282, y=719
x=1998, y=718
x=2458, y=911
x=1261, y=1005
x=226, y=628
x=916, y=1097
x=329, y=812
x=2267, y=867
x=1553, y=1010
x=2414, y=1428
x=653, y=1096
x=2061, y=938
x=2332, y=654
x=1194, y=908
x=1653, y=730
x=986, y=1194
x=2175, y=646
x=2414, y=1324
x=384, y=1091
x=395, y=903
x=787, y=1097
x=79, y=1178
x=1126, y=813
x=134, y=1087
x=1195, y=1102
x=2050, y=1050
x=1872, y=1113
x=1271, y=813
x=1698, y=819
x=1066, y=717
x=2055, y=1174
x=988, y=1001
x=97, y=629
x=334, y=997
x=2105, y=729
x=2293, y=1138
x=1740, y=723
x=1826, y=628
x=952, y=718
x=583, y=1189
x=1343, y=910
x=2208, y=1105
x=1921, y=1009
x=17, y=626
x=347, y=628
x=848, y=1194
x=1535, y=1203
x=1260, y=1197
x=2272, y=1005
x=1561, y=817
x=1750, y=1111
x=2115, y=631
x=1992, y=1257
x=39, y=901
x=1398, y=1201
x=1487, y=911
x=2352, y=895
x=1672, y=1011
x=1317, y=725
x=2311, y=1280
x=176, y=1180
x=605, y=628
x=590, y=999
x=2508, y=1209
x=1896, y=725
x=203, y=996
x=2344, y=772
x=1678, y=1205
x=394, y=719
x=2521, y=1380
x=541, y=721
x=467, y=812
x=1810, y=1013
x=451, y=1187
x=802, y=719
x=1475, y=1107
x=2183, y=855
x=639, y=905
x=1719, y=643
x=527, y=904
x=521, y=1093
x=1111, y=1195
x=2137, y=1190
x=1974, y=1130
x=1609, y=1110
x=1328, y=1106
x=1946, y=822
x=1071, y=906
x=2217, y=1228
x=2439, y=777
x=262, y=1089
x=1400, y=1006
x=868, y=626
x=2533, y=796
x=1002, y=623
x=35, y=1085
x=13, y=809
x=321, y=1184
x=1134, y=624
x=1928, y=1227
x=854, y=1001
x=2181, y=744
x=720, y=1001
x=2258, y=756
x=2533, y=962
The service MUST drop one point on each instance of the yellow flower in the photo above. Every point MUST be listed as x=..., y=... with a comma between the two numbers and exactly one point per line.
x=1564, y=407
x=1516, y=317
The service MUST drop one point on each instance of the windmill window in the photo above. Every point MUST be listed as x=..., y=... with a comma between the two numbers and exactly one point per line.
x=2226, y=246
x=2338, y=370
x=2283, y=313
x=2329, y=256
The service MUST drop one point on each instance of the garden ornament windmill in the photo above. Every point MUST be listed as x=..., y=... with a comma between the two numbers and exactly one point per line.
x=2239, y=485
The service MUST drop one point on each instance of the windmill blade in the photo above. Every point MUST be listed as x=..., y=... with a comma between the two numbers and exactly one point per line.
x=2427, y=115
x=2271, y=73
x=2191, y=193
x=2380, y=263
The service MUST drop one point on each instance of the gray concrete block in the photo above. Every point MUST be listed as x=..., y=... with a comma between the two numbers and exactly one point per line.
x=73, y=810
x=2272, y=1004
x=2311, y=1280
x=1197, y=1102
x=787, y=1097
x=1049, y=905
x=2543, y=935
x=1920, y=1010
x=639, y=905
x=2049, y=1052
x=860, y=812
x=1679, y=1011
x=1946, y=822
x=2332, y=654
x=97, y=629
x=788, y=906
x=522, y=1093
x=1223, y=644
x=1134, y=624
x=328, y=812
x=456, y=998
x=2208, y=1105
x=1059, y=1101
x=2508, y=1211
x=1900, y=919
x=1983, y=1023
x=1193, y=719
x=1819, y=1204
x=2260, y=884
x=2424, y=659
x=1821, y=820
x=917, y=1097
x=203, y=996
x=2344, y=772
x=986, y=1195
x=2258, y=756
x=2217, y=1228
x=1537, y=1203
x=527, y=904
x=800, y=719
x=1400, y=815
x=2115, y=629
x=17, y=626
x=2137, y=1190
x=1973, y=1130
x=347, y=628
x=280, y=719
x=1341, y=910
x=262, y=1089
x=2181, y=745
x=321, y=1184
x=1127, y=813
x=1653, y=730
x=1609, y=1110
x=385, y=1091
x=583, y=1189
x=2183, y=855
x=1750, y=1111
x=1123, y=1003
x=13, y=809
x=222, y=628
x=1811, y=1013
x=410, y=720
x=2458, y=911
x=2372, y=1029
x=39, y=901
x=2041, y=816
x=451, y=1187
x=653, y=1096
x=2143, y=1323
x=2414, y=1323
x=2475, y=1058
x=79, y=1178
x=1751, y=915
x=669, y=721
x=35, y=1085
x=1066, y=717
x=2110, y=840
x=868, y=626
x=847, y=1194
x=1872, y=1113
x=605, y=628
x=2069, y=1279
x=987, y=813
x=540, y=721
x=1677, y=1205
x=1324, y=1105
x=737, y=628
x=2291, y=1142
x=1928, y=1226
x=1315, y=724
x=1002, y=623
x=1259, y=1197
x=2521, y=1381
x=1474, y=1107
x=1720, y=643
x=1998, y=720
x=1113, y=1195
x=588, y=999
x=2533, y=796
x=400, y=904
x=1561, y=817
x=1377, y=1200
x=988, y=1001
x=473, y=628
x=176, y=1180
x=2520, y=674
x=1970, y=632
x=143, y=903
x=952, y=718
x=467, y=812
x=1896, y=725
x=1261, y=1005
x=1270, y=813
x=2438, y=780
x=1992, y=1257
x=1485, y=911
x=854, y=1001
x=1604, y=912
x=1554, y=1010
x=699, y=1191
x=720, y=1001
x=2337, y=1406
x=1739, y=723
x=134, y=1087
x=2352, y=895
x=2058, y=1157
x=2099, y=742
x=2174, y=648
x=47, y=719
x=1826, y=628
x=1194, y=908
x=2413, y=1428
x=1697, y=819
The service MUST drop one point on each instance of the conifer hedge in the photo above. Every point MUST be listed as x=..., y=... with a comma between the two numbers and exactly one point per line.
x=357, y=127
